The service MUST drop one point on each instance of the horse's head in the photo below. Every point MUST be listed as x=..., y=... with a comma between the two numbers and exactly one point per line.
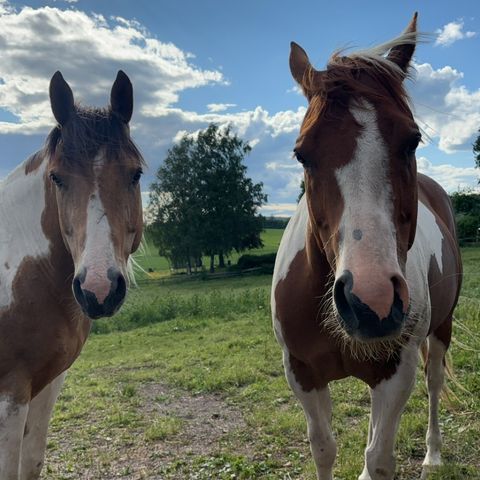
x=95, y=169
x=357, y=145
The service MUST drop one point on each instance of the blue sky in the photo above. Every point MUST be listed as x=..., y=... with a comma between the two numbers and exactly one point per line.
x=192, y=62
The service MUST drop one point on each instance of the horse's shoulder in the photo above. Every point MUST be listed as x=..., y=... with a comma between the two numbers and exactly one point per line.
x=293, y=241
x=434, y=197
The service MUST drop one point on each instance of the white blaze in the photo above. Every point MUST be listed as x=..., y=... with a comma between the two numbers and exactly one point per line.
x=367, y=194
x=98, y=255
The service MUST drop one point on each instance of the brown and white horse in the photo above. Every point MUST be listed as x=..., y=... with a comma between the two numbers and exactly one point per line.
x=70, y=217
x=368, y=269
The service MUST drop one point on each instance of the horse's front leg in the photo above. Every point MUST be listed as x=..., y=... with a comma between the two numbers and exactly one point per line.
x=35, y=436
x=12, y=424
x=434, y=370
x=317, y=407
x=388, y=401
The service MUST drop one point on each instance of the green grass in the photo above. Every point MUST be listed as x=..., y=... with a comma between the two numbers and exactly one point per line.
x=209, y=344
x=148, y=257
x=163, y=427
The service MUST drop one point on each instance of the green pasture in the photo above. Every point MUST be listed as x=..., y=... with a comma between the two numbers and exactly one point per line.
x=148, y=259
x=187, y=383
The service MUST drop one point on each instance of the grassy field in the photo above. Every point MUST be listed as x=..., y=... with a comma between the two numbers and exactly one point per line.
x=149, y=259
x=193, y=388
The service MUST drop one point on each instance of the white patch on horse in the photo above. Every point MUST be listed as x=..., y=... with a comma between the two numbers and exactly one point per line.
x=12, y=421
x=427, y=224
x=293, y=241
x=99, y=253
x=388, y=401
x=367, y=194
x=434, y=379
x=317, y=407
x=21, y=233
x=428, y=243
x=35, y=438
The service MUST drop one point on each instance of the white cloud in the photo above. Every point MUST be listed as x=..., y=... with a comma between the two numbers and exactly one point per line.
x=295, y=89
x=447, y=111
x=451, y=33
x=88, y=49
x=451, y=178
x=293, y=165
x=278, y=209
x=220, y=107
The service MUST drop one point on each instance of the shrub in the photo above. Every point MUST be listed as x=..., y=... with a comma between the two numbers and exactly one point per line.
x=266, y=261
x=467, y=225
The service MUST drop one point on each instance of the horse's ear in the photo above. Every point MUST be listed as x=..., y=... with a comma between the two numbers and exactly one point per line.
x=61, y=98
x=403, y=53
x=299, y=62
x=121, y=97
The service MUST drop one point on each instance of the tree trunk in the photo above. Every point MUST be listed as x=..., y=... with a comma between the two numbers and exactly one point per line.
x=189, y=266
x=221, y=260
x=212, y=266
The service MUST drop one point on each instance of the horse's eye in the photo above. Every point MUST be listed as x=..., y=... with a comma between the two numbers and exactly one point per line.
x=136, y=177
x=56, y=180
x=300, y=158
x=413, y=144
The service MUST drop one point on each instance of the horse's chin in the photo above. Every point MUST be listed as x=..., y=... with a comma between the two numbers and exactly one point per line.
x=368, y=348
x=392, y=336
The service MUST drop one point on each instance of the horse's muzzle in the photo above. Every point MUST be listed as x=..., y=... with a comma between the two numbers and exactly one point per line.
x=358, y=319
x=88, y=300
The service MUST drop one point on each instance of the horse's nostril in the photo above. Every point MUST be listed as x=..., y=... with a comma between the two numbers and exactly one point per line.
x=341, y=295
x=118, y=290
x=400, y=290
x=121, y=288
x=77, y=288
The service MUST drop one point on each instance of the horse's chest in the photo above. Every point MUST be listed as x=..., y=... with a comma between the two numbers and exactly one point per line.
x=42, y=330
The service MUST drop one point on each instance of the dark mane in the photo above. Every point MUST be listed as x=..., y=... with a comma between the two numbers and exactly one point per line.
x=352, y=77
x=87, y=130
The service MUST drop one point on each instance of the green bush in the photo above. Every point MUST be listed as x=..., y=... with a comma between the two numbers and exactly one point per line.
x=467, y=225
x=266, y=261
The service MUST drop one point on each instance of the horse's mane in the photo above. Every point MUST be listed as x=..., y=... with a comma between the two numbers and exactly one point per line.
x=341, y=82
x=89, y=129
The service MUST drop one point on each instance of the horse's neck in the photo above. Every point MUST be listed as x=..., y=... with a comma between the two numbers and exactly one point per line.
x=298, y=237
x=23, y=201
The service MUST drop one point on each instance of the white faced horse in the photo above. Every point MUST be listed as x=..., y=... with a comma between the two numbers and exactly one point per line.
x=368, y=268
x=70, y=216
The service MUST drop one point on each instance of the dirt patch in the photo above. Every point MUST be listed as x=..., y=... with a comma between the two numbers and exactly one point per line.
x=207, y=424
x=207, y=418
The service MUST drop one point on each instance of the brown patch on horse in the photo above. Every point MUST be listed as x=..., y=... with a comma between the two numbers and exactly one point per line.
x=302, y=301
x=117, y=212
x=38, y=351
x=444, y=286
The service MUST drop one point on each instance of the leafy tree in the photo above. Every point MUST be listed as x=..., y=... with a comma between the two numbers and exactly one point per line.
x=476, y=151
x=176, y=212
x=204, y=201
x=467, y=214
x=275, y=222
x=466, y=202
